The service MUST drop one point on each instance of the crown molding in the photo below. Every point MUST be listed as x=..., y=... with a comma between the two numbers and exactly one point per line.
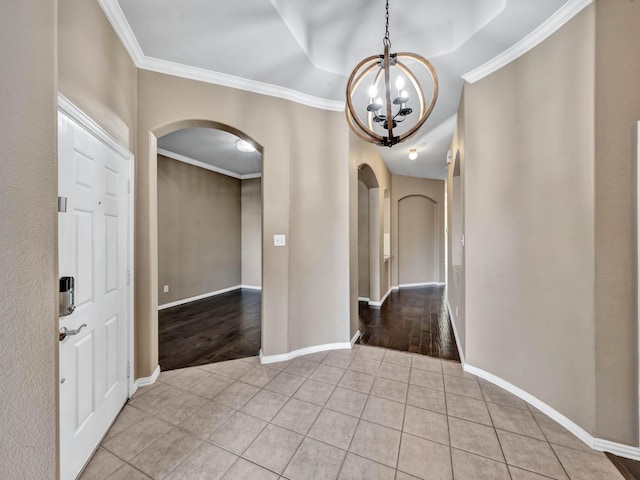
x=119, y=22
x=206, y=166
x=544, y=31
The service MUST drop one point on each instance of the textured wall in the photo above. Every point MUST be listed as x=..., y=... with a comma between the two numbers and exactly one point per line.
x=252, y=232
x=28, y=236
x=199, y=240
x=305, y=296
x=95, y=71
x=529, y=221
x=617, y=114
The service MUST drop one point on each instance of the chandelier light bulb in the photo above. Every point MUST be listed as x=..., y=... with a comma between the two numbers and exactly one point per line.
x=413, y=154
x=373, y=91
x=400, y=83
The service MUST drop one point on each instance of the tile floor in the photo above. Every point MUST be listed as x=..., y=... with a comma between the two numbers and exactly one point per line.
x=366, y=414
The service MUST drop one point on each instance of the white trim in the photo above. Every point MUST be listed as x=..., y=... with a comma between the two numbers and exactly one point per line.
x=355, y=337
x=146, y=381
x=198, y=297
x=197, y=163
x=69, y=109
x=251, y=287
x=455, y=333
x=74, y=113
x=118, y=21
x=381, y=302
x=424, y=284
x=122, y=28
x=638, y=257
x=395, y=288
x=544, y=31
x=283, y=357
x=363, y=299
x=594, y=443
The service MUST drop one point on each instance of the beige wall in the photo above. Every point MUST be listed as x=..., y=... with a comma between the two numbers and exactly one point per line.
x=455, y=223
x=402, y=187
x=199, y=240
x=364, y=157
x=28, y=235
x=363, y=240
x=95, y=71
x=305, y=297
x=617, y=93
x=418, y=240
x=251, y=192
x=529, y=221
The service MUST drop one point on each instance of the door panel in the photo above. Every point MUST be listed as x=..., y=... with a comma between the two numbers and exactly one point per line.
x=92, y=249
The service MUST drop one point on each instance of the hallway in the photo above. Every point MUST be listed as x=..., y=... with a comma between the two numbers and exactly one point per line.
x=411, y=320
x=367, y=413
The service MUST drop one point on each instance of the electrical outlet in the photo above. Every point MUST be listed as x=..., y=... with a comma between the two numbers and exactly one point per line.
x=456, y=311
x=166, y=289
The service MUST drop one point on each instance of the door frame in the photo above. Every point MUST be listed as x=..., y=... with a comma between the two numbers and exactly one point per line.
x=66, y=107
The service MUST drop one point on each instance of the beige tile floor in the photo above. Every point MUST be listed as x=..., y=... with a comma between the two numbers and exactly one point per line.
x=366, y=414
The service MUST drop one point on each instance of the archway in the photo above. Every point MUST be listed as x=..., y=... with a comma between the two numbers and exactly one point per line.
x=368, y=235
x=418, y=241
x=209, y=229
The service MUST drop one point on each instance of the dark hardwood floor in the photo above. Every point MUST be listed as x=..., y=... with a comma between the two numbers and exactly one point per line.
x=630, y=469
x=224, y=327
x=412, y=320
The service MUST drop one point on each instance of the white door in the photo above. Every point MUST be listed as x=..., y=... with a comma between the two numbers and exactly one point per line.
x=93, y=250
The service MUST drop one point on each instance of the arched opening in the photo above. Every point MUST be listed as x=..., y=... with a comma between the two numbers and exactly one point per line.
x=368, y=235
x=418, y=241
x=209, y=276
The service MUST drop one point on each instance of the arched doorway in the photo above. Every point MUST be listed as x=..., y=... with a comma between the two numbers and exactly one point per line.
x=209, y=210
x=418, y=241
x=368, y=235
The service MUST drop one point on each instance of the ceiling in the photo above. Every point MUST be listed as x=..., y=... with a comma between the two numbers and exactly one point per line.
x=307, y=48
x=211, y=148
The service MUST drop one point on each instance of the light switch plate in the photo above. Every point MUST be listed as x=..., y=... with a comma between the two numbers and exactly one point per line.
x=166, y=288
x=279, y=241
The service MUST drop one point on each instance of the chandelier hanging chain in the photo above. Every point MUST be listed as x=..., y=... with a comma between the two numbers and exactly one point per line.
x=386, y=40
x=387, y=111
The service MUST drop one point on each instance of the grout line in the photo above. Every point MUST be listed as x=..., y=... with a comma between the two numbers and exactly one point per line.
x=446, y=409
x=495, y=431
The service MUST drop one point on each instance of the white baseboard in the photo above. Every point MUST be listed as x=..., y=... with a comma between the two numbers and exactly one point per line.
x=355, y=337
x=363, y=299
x=381, y=302
x=592, y=442
x=283, y=357
x=200, y=297
x=146, y=381
x=251, y=287
x=455, y=333
x=424, y=284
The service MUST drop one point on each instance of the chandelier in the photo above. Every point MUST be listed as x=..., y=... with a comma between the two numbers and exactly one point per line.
x=381, y=119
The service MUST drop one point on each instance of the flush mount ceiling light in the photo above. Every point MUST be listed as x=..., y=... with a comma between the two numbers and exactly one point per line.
x=413, y=154
x=244, y=146
x=380, y=118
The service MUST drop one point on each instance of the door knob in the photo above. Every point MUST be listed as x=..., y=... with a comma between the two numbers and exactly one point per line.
x=64, y=333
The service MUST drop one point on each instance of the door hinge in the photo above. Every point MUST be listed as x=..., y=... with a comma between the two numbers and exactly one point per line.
x=128, y=186
x=128, y=277
x=128, y=369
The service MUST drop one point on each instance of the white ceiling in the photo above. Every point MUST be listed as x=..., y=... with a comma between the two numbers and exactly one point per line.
x=214, y=148
x=311, y=46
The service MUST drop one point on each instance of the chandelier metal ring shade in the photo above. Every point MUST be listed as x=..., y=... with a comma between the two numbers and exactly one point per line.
x=387, y=114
